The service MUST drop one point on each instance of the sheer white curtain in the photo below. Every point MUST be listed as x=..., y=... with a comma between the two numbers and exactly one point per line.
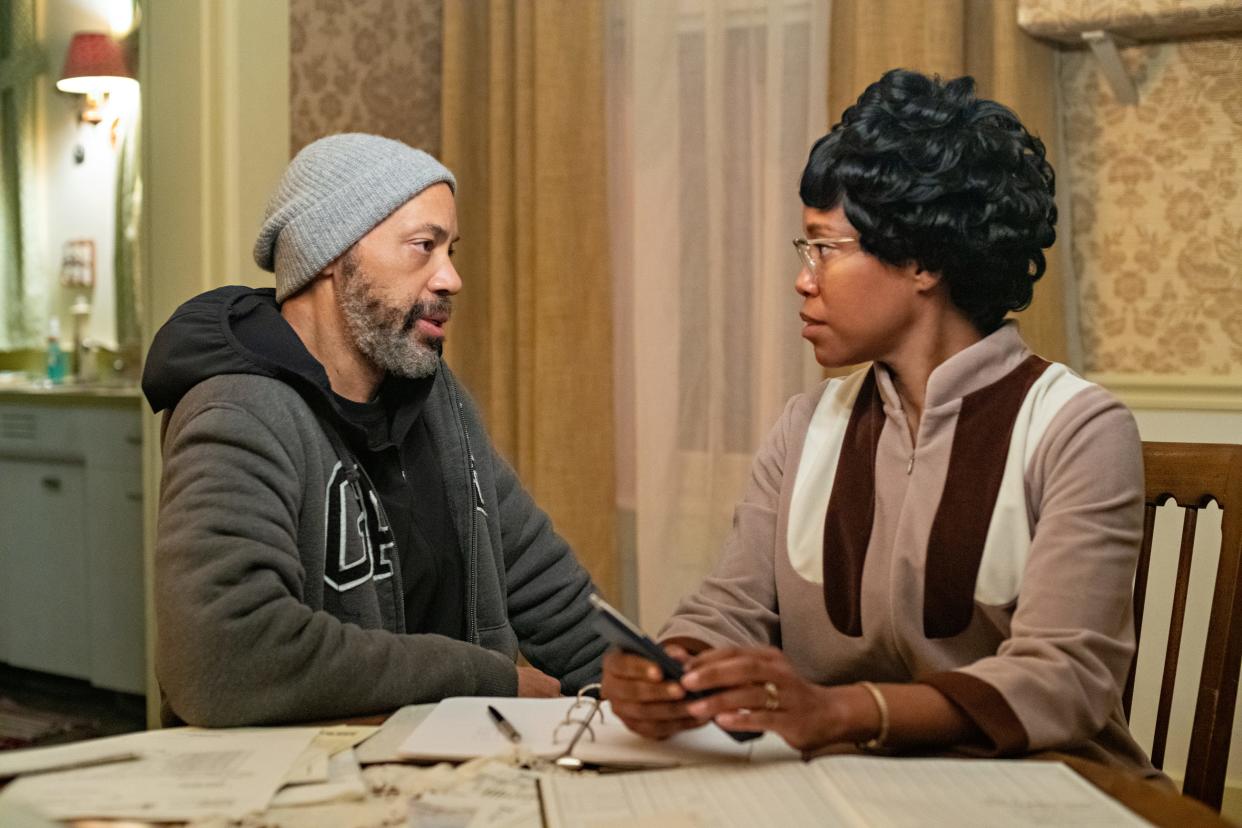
x=22, y=281
x=713, y=106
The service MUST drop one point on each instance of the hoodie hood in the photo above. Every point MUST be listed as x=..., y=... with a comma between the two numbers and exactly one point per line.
x=239, y=330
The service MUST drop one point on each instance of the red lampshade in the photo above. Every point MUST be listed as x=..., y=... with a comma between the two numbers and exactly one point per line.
x=94, y=59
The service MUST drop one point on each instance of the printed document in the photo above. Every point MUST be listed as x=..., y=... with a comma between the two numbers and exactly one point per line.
x=183, y=774
x=841, y=790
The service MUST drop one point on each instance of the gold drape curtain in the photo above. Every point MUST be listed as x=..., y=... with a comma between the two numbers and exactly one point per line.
x=964, y=37
x=523, y=130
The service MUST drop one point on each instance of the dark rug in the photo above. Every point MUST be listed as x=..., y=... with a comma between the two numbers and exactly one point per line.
x=39, y=709
x=22, y=726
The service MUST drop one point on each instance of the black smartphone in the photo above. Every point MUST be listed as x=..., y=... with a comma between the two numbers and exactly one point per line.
x=625, y=634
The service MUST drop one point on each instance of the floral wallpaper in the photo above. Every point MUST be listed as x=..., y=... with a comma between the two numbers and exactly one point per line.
x=1156, y=203
x=1065, y=20
x=365, y=66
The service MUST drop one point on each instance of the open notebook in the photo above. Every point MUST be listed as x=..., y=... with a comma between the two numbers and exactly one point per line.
x=460, y=728
x=840, y=790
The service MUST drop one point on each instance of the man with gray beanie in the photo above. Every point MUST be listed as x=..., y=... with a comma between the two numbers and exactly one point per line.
x=337, y=535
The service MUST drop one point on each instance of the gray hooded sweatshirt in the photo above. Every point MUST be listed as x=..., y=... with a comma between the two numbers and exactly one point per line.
x=278, y=592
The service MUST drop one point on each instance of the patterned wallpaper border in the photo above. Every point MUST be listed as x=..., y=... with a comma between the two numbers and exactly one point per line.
x=1157, y=391
x=1066, y=20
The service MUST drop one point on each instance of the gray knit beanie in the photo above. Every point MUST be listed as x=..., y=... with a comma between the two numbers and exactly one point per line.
x=333, y=192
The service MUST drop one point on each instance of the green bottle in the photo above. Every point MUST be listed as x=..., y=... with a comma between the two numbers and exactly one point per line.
x=55, y=356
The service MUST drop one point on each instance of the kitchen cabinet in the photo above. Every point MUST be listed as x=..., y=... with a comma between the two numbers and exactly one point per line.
x=71, y=573
x=43, y=566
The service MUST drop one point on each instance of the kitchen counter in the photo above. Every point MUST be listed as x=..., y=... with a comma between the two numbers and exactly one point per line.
x=44, y=391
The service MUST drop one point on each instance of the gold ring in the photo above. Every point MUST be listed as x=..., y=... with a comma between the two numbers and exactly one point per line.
x=773, y=701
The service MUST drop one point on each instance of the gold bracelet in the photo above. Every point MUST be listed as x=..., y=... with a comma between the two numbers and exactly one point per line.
x=877, y=742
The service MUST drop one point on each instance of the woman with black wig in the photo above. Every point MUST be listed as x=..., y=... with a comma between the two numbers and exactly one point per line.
x=936, y=550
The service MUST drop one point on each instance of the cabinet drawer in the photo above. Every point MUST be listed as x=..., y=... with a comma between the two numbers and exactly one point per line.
x=29, y=430
x=96, y=435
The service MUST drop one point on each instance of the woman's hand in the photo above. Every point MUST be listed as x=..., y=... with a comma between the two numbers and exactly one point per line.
x=756, y=688
x=642, y=699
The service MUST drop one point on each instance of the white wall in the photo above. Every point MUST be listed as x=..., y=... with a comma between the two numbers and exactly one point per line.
x=79, y=200
x=215, y=79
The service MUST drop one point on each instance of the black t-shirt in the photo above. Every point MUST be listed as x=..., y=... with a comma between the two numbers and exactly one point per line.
x=411, y=489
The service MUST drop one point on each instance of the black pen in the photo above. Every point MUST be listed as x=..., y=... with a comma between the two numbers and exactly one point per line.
x=502, y=724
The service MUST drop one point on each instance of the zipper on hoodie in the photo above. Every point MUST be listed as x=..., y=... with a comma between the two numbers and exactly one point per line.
x=355, y=474
x=472, y=621
x=381, y=515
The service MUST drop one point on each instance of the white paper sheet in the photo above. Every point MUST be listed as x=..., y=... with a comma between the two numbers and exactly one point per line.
x=383, y=746
x=846, y=791
x=343, y=783
x=969, y=793
x=312, y=765
x=732, y=796
x=185, y=773
x=18, y=815
x=78, y=754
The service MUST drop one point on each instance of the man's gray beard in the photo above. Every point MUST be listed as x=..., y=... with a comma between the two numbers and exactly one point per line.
x=386, y=335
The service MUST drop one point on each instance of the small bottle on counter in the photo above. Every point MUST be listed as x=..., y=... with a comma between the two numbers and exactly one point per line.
x=55, y=356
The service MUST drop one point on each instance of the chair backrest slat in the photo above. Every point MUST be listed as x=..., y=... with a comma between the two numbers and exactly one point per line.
x=1192, y=475
x=1173, y=646
x=1140, y=596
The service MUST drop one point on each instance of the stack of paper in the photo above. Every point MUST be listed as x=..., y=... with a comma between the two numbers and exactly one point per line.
x=180, y=775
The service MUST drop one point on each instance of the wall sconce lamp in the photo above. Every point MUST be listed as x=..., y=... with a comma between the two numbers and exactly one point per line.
x=94, y=65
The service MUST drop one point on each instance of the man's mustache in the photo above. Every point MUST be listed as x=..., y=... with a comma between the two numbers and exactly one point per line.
x=440, y=308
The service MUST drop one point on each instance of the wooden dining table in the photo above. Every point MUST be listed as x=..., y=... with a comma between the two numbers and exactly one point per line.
x=1156, y=801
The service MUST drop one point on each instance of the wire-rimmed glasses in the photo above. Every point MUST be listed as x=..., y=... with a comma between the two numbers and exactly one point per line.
x=815, y=252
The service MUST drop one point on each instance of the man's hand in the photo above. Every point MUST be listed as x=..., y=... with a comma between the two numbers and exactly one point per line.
x=533, y=684
x=642, y=699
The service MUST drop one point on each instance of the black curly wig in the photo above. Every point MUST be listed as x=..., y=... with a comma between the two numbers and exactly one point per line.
x=930, y=174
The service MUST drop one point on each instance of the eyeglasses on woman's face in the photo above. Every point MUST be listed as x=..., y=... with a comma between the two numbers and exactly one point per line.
x=815, y=253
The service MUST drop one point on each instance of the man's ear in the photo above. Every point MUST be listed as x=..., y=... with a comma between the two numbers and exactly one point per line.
x=331, y=269
x=335, y=267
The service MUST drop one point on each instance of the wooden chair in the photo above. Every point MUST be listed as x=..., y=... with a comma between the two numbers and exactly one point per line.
x=1192, y=475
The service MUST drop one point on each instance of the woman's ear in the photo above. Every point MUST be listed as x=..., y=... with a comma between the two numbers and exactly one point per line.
x=924, y=280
